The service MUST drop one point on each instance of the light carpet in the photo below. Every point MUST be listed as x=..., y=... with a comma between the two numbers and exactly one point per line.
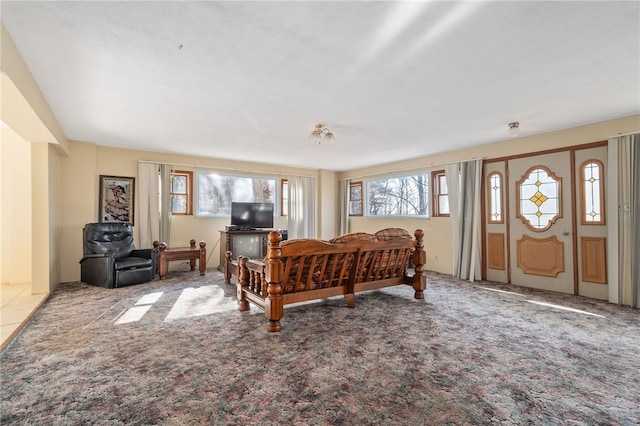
x=178, y=352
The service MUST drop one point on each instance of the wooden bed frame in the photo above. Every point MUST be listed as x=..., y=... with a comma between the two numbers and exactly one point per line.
x=306, y=269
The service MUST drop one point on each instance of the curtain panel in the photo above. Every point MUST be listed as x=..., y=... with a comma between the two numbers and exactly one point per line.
x=165, y=203
x=464, y=181
x=344, y=207
x=624, y=230
x=155, y=210
x=149, y=219
x=302, y=207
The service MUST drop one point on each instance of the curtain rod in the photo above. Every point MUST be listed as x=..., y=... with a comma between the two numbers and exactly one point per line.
x=426, y=166
x=625, y=134
x=234, y=169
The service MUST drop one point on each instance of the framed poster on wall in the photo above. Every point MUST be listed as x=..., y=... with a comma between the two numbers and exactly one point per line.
x=116, y=199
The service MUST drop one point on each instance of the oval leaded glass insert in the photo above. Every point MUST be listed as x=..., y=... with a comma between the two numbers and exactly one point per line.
x=539, y=198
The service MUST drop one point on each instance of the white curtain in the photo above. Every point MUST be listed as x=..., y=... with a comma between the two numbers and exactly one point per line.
x=624, y=225
x=165, y=203
x=148, y=201
x=344, y=207
x=302, y=207
x=155, y=211
x=463, y=182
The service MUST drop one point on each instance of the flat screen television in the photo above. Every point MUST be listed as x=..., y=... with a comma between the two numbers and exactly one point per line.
x=252, y=215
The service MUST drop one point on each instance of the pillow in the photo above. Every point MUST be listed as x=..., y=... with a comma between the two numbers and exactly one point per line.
x=353, y=236
x=390, y=233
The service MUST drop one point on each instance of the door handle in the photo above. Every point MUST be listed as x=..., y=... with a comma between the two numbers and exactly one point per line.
x=565, y=233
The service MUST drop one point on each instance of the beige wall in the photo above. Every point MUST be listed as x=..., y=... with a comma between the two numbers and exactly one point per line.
x=40, y=220
x=15, y=205
x=437, y=238
x=32, y=142
x=576, y=136
x=81, y=169
x=73, y=180
x=29, y=220
x=80, y=173
x=327, y=205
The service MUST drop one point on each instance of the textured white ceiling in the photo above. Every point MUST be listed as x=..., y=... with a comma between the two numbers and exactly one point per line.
x=392, y=80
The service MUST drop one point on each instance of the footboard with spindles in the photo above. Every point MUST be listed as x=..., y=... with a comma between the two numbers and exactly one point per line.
x=307, y=269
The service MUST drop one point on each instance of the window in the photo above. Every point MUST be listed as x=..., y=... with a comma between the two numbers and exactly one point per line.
x=355, y=199
x=440, y=194
x=539, y=198
x=494, y=190
x=181, y=192
x=399, y=196
x=592, y=191
x=216, y=192
x=284, y=197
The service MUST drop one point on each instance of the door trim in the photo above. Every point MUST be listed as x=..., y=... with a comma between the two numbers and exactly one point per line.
x=574, y=212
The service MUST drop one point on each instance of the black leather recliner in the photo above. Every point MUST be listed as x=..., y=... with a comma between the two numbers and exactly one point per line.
x=110, y=258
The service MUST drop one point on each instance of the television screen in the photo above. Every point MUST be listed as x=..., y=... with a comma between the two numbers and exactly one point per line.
x=252, y=215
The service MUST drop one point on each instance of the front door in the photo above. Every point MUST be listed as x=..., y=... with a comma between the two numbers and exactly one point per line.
x=540, y=232
x=545, y=222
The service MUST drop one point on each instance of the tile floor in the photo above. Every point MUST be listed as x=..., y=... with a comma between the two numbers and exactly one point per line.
x=17, y=305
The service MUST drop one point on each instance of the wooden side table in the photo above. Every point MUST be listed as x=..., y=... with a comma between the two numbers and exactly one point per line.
x=191, y=253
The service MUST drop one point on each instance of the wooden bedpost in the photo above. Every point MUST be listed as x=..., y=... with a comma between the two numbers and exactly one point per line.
x=243, y=281
x=274, y=304
x=203, y=257
x=419, y=259
x=227, y=267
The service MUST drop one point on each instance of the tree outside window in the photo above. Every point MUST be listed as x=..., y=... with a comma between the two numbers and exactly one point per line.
x=399, y=196
x=355, y=199
x=216, y=192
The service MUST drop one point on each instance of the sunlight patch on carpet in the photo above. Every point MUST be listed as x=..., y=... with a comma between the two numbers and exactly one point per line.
x=150, y=299
x=132, y=314
x=502, y=291
x=135, y=313
x=199, y=301
x=551, y=305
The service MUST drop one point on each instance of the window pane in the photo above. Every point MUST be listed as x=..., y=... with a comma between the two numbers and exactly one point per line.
x=179, y=184
x=443, y=201
x=355, y=208
x=443, y=185
x=355, y=192
x=592, y=209
x=179, y=204
x=539, y=201
x=355, y=199
x=495, y=197
x=216, y=192
x=399, y=196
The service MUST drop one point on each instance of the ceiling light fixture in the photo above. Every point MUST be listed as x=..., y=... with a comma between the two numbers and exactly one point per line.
x=321, y=135
x=514, y=129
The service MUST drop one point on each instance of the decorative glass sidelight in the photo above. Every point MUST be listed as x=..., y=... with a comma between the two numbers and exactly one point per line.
x=539, y=198
x=592, y=193
x=495, y=197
